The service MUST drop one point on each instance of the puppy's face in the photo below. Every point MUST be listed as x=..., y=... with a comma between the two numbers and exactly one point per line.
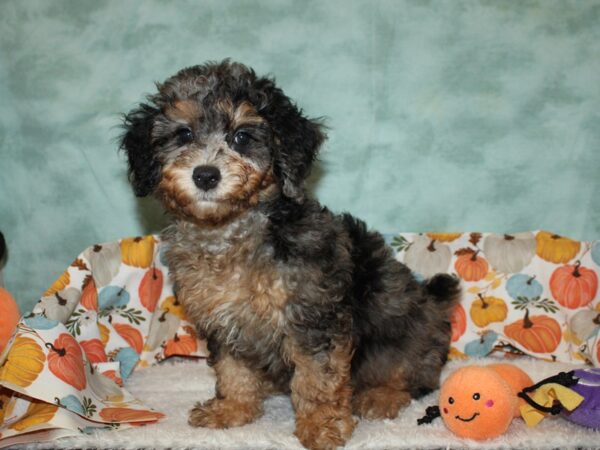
x=216, y=157
x=217, y=140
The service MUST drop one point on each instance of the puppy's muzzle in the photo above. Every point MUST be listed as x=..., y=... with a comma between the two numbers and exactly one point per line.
x=206, y=177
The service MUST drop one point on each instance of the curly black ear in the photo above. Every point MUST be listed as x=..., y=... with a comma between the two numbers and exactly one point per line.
x=298, y=140
x=144, y=167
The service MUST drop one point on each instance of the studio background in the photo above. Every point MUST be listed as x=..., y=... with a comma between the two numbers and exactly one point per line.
x=443, y=115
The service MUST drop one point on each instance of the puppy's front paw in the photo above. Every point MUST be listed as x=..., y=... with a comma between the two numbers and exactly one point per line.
x=326, y=428
x=223, y=413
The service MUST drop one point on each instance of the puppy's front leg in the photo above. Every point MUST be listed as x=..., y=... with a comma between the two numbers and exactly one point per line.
x=321, y=395
x=238, y=400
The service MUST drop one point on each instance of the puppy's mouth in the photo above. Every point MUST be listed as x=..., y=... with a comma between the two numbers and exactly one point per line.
x=470, y=419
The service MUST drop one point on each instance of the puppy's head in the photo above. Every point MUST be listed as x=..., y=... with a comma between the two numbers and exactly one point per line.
x=216, y=140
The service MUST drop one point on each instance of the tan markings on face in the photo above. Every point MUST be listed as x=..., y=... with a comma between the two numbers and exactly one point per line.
x=226, y=107
x=183, y=111
x=245, y=114
x=242, y=185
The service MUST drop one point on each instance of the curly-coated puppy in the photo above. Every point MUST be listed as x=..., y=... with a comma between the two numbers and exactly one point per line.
x=289, y=296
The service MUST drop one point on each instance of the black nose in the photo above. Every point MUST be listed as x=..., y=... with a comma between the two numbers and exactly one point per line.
x=206, y=177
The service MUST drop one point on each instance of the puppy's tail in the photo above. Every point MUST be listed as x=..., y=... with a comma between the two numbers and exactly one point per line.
x=445, y=290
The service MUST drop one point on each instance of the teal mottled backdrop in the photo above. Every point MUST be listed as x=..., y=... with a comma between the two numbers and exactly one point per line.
x=443, y=115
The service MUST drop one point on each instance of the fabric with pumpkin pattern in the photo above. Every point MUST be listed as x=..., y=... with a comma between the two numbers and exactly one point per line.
x=112, y=310
x=533, y=293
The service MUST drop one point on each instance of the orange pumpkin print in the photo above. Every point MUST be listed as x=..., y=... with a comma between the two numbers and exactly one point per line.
x=112, y=375
x=181, y=345
x=94, y=350
x=470, y=266
x=37, y=413
x=556, y=249
x=89, y=294
x=574, y=286
x=9, y=317
x=458, y=322
x=59, y=284
x=138, y=251
x=538, y=334
x=151, y=288
x=119, y=414
x=104, y=333
x=444, y=237
x=131, y=334
x=24, y=362
x=65, y=360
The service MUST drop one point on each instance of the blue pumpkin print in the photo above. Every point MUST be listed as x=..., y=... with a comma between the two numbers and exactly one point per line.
x=522, y=285
x=112, y=296
x=72, y=403
x=40, y=322
x=482, y=346
x=596, y=252
x=128, y=359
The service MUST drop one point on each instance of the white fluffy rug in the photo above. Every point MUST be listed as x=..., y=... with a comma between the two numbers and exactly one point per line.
x=174, y=387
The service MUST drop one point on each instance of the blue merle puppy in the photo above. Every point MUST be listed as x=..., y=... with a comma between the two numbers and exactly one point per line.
x=290, y=297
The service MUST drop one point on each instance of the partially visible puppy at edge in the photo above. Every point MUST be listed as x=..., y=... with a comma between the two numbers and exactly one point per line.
x=290, y=297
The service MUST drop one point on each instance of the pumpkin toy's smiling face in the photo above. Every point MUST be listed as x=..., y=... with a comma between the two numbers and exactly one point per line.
x=476, y=403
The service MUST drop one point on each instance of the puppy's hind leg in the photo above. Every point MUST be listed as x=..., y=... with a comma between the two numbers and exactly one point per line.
x=380, y=387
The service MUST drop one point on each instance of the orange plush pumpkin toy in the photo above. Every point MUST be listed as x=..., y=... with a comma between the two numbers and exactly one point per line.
x=9, y=317
x=480, y=402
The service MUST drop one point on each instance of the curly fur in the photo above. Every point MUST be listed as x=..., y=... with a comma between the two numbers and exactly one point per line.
x=290, y=296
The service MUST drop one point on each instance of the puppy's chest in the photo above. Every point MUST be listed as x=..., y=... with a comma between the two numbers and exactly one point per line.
x=239, y=295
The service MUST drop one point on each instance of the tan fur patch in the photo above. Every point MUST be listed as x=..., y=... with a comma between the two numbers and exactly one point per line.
x=245, y=114
x=251, y=294
x=240, y=394
x=243, y=186
x=321, y=395
x=183, y=110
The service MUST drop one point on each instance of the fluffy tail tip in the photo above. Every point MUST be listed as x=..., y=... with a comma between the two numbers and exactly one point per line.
x=445, y=288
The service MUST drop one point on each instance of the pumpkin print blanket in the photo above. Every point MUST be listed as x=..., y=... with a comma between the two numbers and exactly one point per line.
x=113, y=310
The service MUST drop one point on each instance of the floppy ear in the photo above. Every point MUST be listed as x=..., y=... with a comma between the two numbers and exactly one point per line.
x=144, y=167
x=297, y=141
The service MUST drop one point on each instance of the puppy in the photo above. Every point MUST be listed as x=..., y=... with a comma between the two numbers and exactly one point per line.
x=290, y=297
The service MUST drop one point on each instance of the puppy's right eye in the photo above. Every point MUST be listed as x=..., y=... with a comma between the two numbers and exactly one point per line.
x=185, y=136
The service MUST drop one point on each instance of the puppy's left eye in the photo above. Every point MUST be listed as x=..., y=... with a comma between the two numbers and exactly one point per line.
x=242, y=138
x=185, y=135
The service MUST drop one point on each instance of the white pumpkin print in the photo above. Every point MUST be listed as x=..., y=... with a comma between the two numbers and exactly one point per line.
x=427, y=257
x=509, y=253
x=163, y=327
x=60, y=305
x=104, y=261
